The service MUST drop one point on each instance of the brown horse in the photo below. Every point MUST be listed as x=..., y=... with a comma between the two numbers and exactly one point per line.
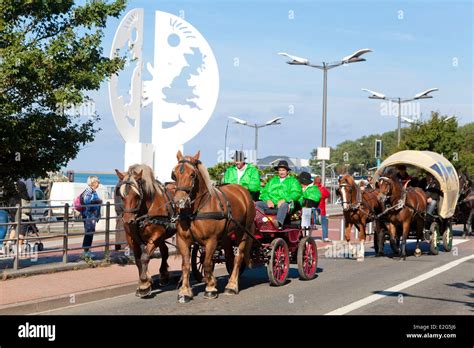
x=359, y=208
x=209, y=215
x=148, y=208
x=403, y=207
x=464, y=213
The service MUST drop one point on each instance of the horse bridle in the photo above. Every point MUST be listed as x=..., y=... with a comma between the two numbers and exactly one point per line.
x=140, y=194
x=188, y=189
x=386, y=196
x=351, y=205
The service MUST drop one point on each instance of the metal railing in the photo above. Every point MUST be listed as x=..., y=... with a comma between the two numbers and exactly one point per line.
x=62, y=235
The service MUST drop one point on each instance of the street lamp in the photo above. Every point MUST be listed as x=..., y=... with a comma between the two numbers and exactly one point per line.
x=421, y=95
x=353, y=58
x=225, y=141
x=272, y=122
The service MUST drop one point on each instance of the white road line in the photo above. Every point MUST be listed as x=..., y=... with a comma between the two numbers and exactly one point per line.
x=397, y=288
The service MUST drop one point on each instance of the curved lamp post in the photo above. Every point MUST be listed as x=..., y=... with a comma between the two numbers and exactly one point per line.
x=325, y=66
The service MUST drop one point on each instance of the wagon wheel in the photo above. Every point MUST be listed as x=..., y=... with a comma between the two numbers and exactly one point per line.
x=448, y=237
x=279, y=264
x=307, y=258
x=198, y=253
x=229, y=260
x=434, y=228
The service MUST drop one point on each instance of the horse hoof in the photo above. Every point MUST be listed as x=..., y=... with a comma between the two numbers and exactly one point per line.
x=211, y=295
x=143, y=292
x=184, y=298
x=417, y=253
x=230, y=292
x=360, y=259
x=379, y=254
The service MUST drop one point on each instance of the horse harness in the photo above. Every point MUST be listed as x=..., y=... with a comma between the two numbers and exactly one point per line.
x=399, y=205
x=167, y=221
x=215, y=215
x=356, y=207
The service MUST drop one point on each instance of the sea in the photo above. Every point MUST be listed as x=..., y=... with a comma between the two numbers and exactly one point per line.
x=105, y=179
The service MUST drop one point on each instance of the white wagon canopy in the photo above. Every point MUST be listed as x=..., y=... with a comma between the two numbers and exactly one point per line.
x=434, y=163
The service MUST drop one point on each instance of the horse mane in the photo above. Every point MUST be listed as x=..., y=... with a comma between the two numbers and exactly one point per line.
x=150, y=184
x=205, y=176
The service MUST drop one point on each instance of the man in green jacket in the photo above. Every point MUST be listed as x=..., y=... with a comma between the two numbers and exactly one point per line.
x=311, y=193
x=244, y=174
x=281, y=191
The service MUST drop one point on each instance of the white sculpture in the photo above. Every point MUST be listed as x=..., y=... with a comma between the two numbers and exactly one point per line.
x=183, y=90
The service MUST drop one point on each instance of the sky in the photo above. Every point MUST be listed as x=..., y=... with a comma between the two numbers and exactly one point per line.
x=416, y=45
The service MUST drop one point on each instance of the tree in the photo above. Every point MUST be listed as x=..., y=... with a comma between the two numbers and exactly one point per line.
x=350, y=154
x=436, y=134
x=465, y=159
x=50, y=56
x=217, y=171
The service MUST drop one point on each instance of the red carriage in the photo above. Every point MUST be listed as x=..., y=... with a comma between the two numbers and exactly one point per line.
x=277, y=248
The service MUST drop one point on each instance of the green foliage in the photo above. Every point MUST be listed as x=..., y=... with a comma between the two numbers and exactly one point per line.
x=436, y=134
x=217, y=172
x=350, y=154
x=465, y=161
x=50, y=56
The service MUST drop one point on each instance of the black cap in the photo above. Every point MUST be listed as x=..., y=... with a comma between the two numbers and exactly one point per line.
x=305, y=178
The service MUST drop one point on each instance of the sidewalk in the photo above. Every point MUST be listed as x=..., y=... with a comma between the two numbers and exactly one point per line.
x=46, y=291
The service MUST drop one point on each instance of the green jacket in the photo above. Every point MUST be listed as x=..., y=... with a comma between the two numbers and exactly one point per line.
x=288, y=190
x=250, y=179
x=312, y=192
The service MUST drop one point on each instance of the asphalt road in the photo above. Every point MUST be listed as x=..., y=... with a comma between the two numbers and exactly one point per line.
x=434, y=285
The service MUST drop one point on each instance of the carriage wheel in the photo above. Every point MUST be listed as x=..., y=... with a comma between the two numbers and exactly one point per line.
x=448, y=237
x=198, y=253
x=307, y=258
x=279, y=265
x=434, y=228
x=229, y=261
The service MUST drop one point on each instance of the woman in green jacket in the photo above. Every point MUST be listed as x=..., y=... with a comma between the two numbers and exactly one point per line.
x=244, y=174
x=281, y=191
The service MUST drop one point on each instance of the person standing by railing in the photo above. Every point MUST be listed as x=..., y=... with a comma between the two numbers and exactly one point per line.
x=119, y=230
x=322, y=207
x=91, y=213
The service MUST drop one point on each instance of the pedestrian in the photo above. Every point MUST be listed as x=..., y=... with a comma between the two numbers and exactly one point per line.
x=282, y=192
x=119, y=230
x=91, y=213
x=22, y=198
x=245, y=174
x=322, y=207
x=433, y=193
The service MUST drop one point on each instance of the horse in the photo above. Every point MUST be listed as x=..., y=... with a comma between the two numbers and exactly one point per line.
x=404, y=206
x=359, y=208
x=464, y=212
x=211, y=216
x=148, y=210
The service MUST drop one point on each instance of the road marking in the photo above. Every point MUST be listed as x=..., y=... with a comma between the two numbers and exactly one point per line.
x=397, y=288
